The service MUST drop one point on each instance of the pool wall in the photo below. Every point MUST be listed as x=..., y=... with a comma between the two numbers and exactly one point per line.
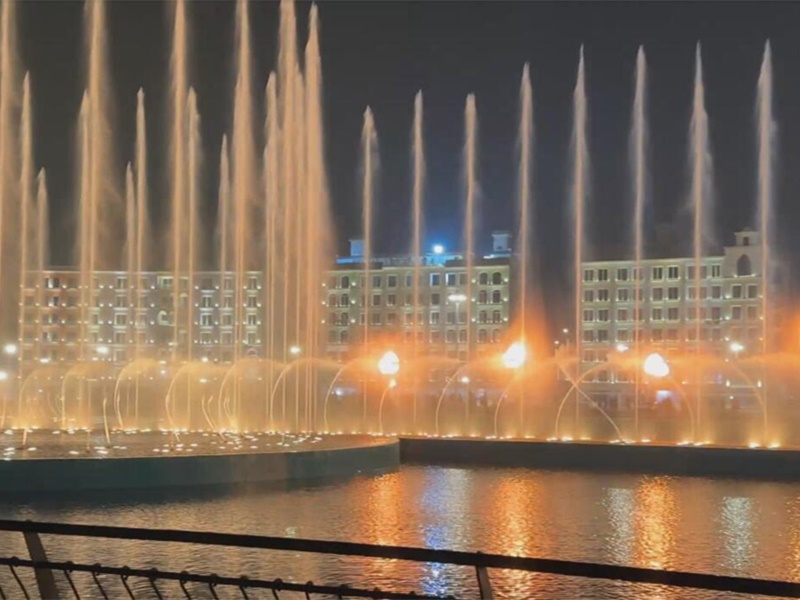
x=586, y=456
x=82, y=474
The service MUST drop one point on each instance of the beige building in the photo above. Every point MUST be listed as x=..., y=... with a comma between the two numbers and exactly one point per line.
x=58, y=326
x=453, y=315
x=668, y=306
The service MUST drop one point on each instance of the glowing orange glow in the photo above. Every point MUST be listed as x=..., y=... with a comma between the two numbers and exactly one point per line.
x=655, y=365
x=515, y=356
x=389, y=363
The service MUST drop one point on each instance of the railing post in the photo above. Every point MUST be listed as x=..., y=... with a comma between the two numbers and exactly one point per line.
x=484, y=583
x=44, y=577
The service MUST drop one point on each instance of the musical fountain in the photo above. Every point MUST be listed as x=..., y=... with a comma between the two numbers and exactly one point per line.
x=171, y=398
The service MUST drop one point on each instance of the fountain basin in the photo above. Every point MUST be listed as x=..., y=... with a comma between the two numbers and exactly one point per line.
x=657, y=459
x=63, y=468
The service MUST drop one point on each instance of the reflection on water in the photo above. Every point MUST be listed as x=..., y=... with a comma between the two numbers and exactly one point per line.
x=656, y=514
x=736, y=515
x=728, y=527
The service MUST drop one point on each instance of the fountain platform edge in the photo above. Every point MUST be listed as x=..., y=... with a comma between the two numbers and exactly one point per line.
x=656, y=459
x=82, y=474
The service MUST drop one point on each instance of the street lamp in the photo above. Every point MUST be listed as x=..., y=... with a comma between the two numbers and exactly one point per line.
x=295, y=350
x=102, y=350
x=736, y=348
x=10, y=349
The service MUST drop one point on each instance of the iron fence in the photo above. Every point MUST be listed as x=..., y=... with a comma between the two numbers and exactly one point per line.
x=45, y=570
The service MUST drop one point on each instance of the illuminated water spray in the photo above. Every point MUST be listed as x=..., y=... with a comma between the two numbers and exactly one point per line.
x=638, y=157
x=525, y=201
x=418, y=161
x=766, y=160
x=369, y=157
x=580, y=165
x=471, y=188
x=701, y=205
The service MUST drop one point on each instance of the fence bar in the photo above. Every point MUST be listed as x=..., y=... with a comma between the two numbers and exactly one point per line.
x=44, y=577
x=215, y=580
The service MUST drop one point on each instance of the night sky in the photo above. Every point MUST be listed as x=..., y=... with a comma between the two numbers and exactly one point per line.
x=381, y=53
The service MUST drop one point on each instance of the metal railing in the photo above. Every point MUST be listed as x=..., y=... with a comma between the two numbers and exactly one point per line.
x=46, y=587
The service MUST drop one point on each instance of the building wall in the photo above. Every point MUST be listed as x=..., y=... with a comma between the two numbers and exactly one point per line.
x=445, y=320
x=128, y=318
x=675, y=312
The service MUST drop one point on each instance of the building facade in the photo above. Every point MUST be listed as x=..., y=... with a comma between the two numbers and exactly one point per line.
x=447, y=313
x=665, y=305
x=128, y=318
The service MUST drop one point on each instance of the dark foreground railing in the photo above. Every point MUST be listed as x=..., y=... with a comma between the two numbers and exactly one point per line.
x=46, y=587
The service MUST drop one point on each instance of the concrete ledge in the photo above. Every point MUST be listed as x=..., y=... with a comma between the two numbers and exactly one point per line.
x=778, y=464
x=83, y=474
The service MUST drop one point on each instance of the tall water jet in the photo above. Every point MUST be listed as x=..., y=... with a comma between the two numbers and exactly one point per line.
x=418, y=161
x=26, y=209
x=580, y=169
x=100, y=215
x=766, y=160
x=638, y=158
x=142, y=222
x=288, y=92
x=193, y=205
x=42, y=250
x=318, y=240
x=9, y=163
x=104, y=195
x=369, y=157
x=179, y=214
x=130, y=245
x=471, y=188
x=701, y=206
x=223, y=208
x=244, y=177
x=524, y=189
x=86, y=224
x=272, y=215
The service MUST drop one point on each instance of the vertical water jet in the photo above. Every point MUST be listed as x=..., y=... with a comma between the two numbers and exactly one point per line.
x=471, y=188
x=273, y=215
x=85, y=224
x=179, y=213
x=26, y=208
x=193, y=202
x=130, y=246
x=701, y=206
x=318, y=239
x=418, y=161
x=9, y=95
x=525, y=185
x=369, y=157
x=766, y=129
x=580, y=166
x=42, y=249
x=638, y=140
x=142, y=223
x=243, y=174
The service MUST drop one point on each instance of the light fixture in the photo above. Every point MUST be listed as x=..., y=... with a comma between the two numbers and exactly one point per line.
x=389, y=363
x=515, y=356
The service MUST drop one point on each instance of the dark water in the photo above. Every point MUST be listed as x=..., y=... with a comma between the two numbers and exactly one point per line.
x=720, y=526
